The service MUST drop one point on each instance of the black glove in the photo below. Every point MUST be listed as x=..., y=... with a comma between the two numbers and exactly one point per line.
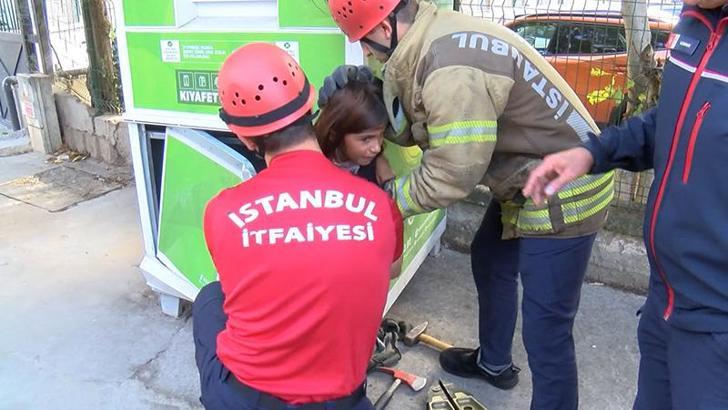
x=386, y=352
x=341, y=76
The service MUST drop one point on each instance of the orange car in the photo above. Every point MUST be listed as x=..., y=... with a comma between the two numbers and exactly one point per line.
x=589, y=49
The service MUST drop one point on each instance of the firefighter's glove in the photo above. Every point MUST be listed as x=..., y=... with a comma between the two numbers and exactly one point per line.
x=341, y=76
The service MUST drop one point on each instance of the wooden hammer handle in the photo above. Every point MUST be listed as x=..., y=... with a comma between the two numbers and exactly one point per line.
x=383, y=400
x=431, y=341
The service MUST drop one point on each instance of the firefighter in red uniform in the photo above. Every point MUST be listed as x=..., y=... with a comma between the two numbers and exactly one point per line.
x=303, y=251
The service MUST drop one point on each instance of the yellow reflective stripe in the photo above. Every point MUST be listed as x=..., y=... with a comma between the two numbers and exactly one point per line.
x=404, y=200
x=436, y=129
x=544, y=213
x=528, y=225
x=510, y=219
x=462, y=139
x=583, y=209
x=462, y=132
x=584, y=184
x=534, y=218
x=509, y=213
x=529, y=205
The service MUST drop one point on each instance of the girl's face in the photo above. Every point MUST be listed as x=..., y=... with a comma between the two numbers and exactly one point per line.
x=361, y=148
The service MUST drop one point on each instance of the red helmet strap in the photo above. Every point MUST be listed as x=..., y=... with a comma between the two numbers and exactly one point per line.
x=378, y=47
x=394, y=40
x=308, y=118
x=271, y=116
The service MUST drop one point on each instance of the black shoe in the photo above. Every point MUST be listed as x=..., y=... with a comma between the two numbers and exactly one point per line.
x=464, y=363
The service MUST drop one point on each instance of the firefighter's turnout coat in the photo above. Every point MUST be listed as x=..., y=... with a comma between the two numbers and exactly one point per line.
x=487, y=107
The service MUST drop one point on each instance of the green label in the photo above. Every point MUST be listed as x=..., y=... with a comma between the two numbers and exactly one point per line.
x=418, y=228
x=417, y=231
x=197, y=87
x=178, y=71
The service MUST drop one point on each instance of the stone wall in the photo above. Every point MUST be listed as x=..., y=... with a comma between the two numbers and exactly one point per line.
x=104, y=137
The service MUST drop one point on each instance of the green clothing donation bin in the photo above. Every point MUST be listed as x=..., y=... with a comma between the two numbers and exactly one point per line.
x=170, y=53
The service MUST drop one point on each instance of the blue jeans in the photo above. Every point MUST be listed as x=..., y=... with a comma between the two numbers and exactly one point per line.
x=552, y=271
x=217, y=391
x=679, y=369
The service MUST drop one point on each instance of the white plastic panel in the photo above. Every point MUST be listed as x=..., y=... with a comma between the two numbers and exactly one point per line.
x=213, y=14
x=249, y=9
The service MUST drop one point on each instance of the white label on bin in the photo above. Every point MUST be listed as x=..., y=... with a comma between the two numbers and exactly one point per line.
x=290, y=47
x=170, y=51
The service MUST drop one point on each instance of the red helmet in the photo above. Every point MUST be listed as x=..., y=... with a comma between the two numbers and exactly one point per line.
x=262, y=90
x=356, y=18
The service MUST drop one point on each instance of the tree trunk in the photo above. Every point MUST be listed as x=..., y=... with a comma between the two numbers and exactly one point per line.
x=27, y=29
x=102, y=73
x=644, y=84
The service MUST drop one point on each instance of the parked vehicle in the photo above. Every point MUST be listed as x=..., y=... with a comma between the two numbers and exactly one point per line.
x=589, y=50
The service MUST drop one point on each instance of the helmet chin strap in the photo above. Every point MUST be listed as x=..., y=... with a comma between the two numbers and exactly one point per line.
x=394, y=40
x=308, y=118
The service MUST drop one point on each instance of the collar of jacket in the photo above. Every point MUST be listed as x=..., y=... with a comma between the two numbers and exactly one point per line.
x=713, y=15
x=407, y=53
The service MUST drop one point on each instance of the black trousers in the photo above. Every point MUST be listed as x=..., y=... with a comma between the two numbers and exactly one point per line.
x=679, y=369
x=220, y=390
x=551, y=271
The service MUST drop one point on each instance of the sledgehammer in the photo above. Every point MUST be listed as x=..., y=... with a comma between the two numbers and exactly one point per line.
x=417, y=334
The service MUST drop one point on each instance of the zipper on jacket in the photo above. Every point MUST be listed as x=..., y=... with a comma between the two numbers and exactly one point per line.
x=691, y=143
x=714, y=38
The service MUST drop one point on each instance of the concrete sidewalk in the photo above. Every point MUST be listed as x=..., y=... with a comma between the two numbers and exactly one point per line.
x=82, y=331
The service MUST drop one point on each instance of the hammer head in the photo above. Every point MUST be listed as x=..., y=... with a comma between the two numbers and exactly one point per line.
x=415, y=382
x=412, y=337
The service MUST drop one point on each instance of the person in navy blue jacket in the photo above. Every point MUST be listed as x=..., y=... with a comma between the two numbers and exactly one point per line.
x=683, y=329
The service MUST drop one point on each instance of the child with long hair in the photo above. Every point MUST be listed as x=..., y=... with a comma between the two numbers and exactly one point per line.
x=350, y=130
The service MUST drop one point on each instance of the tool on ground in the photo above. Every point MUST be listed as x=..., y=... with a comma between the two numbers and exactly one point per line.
x=415, y=382
x=417, y=334
x=386, y=353
x=447, y=396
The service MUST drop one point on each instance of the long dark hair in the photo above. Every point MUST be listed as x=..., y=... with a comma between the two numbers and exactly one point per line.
x=355, y=108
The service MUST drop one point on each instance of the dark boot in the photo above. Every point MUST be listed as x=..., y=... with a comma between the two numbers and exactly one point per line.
x=463, y=362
